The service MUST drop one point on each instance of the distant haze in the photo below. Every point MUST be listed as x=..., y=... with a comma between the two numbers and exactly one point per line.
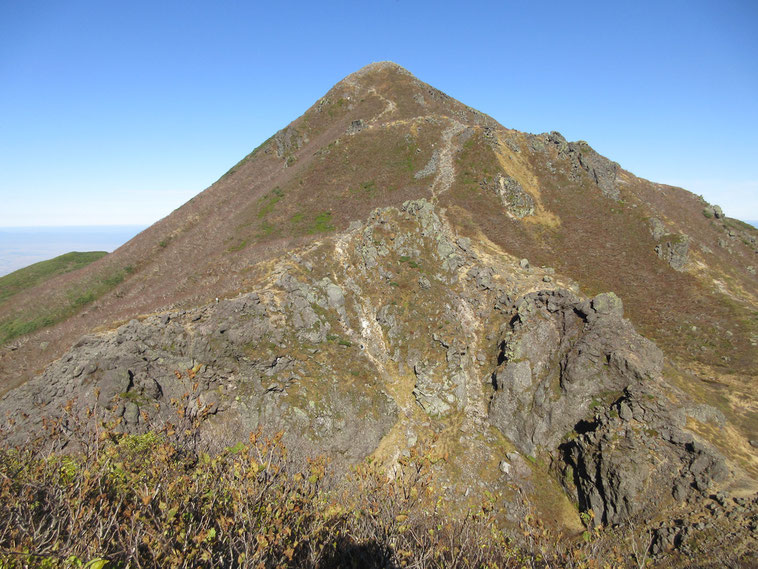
x=23, y=246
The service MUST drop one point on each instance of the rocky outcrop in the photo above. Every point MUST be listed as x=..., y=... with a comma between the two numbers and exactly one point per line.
x=576, y=382
x=635, y=455
x=559, y=354
x=231, y=364
x=394, y=332
x=288, y=141
x=430, y=168
x=713, y=211
x=657, y=228
x=583, y=160
x=516, y=201
x=603, y=171
x=674, y=249
x=356, y=126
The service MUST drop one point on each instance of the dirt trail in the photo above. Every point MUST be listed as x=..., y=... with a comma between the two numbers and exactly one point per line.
x=390, y=107
x=445, y=168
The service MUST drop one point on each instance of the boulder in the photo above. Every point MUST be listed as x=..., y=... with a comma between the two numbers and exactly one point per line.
x=674, y=250
x=558, y=354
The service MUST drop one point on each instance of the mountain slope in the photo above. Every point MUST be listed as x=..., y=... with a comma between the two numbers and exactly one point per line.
x=393, y=333
x=366, y=259
x=366, y=144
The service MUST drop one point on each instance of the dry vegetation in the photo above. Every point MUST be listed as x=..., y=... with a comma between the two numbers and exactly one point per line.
x=156, y=500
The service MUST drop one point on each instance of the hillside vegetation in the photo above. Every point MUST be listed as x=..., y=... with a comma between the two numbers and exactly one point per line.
x=155, y=501
x=158, y=500
x=71, y=298
x=38, y=273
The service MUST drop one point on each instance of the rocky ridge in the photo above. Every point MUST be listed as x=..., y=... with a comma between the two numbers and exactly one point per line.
x=392, y=334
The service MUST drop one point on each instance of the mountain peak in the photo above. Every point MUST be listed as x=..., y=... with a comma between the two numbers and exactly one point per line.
x=376, y=74
x=379, y=66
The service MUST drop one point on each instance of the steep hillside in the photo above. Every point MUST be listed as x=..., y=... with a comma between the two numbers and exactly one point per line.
x=396, y=269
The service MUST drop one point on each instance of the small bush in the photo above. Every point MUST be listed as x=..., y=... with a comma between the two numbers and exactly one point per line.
x=322, y=223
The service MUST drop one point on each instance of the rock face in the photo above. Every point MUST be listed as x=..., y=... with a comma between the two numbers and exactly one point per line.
x=584, y=161
x=230, y=364
x=657, y=229
x=713, y=211
x=603, y=171
x=635, y=455
x=576, y=369
x=559, y=354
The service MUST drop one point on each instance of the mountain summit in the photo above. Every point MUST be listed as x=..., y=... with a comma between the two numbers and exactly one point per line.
x=395, y=269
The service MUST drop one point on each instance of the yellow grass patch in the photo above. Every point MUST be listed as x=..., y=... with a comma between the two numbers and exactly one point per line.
x=517, y=167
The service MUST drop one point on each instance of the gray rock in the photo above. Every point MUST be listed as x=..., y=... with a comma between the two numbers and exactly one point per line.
x=657, y=229
x=603, y=171
x=430, y=168
x=625, y=412
x=335, y=296
x=517, y=201
x=583, y=160
x=114, y=382
x=356, y=126
x=288, y=141
x=515, y=377
x=608, y=303
x=433, y=392
x=556, y=359
x=464, y=243
x=622, y=473
x=674, y=250
x=706, y=414
x=713, y=211
x=131, y=412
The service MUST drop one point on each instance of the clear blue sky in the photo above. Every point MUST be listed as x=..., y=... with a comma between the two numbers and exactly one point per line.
x=118, y=112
